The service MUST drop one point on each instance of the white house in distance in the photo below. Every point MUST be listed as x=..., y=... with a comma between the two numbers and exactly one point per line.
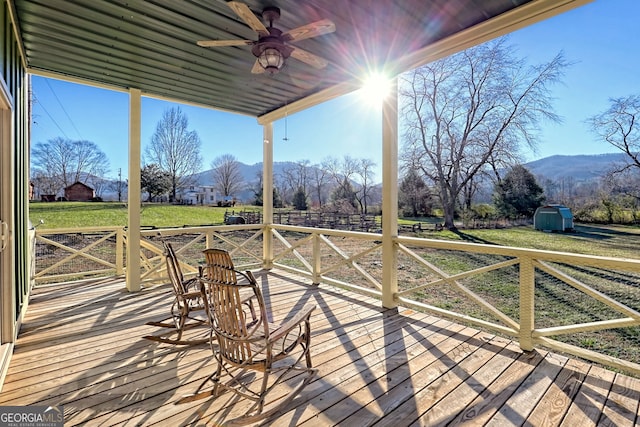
x=205, y=195
x=200, y=195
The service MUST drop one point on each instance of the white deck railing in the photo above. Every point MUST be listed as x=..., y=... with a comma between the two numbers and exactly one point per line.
x=587, y=306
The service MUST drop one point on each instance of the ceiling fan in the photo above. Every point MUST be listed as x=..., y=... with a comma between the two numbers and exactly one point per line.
x=272, y=47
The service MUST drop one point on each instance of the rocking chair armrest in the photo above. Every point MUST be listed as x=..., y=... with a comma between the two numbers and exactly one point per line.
x=194, y=281
x=248, y=275
x=282, y=330
x=192, y=294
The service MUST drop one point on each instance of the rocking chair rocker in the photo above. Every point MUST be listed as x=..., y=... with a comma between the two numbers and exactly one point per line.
x=187, y=301
x=247, y=345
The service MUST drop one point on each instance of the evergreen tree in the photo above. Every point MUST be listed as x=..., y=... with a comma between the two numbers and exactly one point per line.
x=300, y=200
x=414, y=197
x=259, y=201
x=154, y=181
x=518, y=194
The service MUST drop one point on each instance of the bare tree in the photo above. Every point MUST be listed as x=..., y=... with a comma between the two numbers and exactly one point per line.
x=119, y=186
x=625, y=183
x=619, y=127
x=353, y=179
x=342, y=172
x=284, y=194
x=227, y=177
x=61, y=162
x=175, y=149
x=460, y=112
x=293, y=178
x=319, y=179
x=45, y=184
x=365, y=175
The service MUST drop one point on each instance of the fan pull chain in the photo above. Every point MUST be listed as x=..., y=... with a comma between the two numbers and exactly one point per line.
x=286, y=115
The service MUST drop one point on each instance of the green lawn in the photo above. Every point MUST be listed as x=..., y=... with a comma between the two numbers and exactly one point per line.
x=613, y=241
x=98, y=214
x=616, y=241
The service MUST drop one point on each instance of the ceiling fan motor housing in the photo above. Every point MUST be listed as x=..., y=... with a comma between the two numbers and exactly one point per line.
x=274, y=41
x=271, y=14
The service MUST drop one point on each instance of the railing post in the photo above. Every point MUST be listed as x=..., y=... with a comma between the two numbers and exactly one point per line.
x=527, y=298
x=267, y=195
x=316, y=259
x=120, y=251
x=133, y=218
x=390, y=196
x=208, y=243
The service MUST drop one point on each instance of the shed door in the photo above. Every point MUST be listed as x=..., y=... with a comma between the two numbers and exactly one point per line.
x=547, y=220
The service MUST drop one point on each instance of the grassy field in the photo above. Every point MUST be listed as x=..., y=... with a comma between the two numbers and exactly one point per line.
x=96, y=214
x=616, y=241
x=613, y=241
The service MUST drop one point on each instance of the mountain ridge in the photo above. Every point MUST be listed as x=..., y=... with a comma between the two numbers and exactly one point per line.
x=581, y=167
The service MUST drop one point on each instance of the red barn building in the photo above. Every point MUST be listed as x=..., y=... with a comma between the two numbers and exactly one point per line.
x=79, y=192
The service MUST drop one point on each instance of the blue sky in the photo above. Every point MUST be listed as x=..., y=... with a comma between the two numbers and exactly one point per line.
x=601, y=39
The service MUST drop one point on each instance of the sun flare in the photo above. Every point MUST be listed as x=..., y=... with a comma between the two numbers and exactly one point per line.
x=375, y=87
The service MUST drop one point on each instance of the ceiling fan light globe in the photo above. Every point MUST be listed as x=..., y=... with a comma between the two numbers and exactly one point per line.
x=271, y=59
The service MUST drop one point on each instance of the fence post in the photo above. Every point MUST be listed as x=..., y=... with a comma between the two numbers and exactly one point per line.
x=527, y=298
x=120, y=251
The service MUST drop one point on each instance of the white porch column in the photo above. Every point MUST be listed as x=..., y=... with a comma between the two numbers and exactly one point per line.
x=390, y=196
x=133, y=229
x=267, y=194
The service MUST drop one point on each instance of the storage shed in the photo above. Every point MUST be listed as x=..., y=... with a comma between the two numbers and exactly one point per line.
x=553, y=218
x=79, y=192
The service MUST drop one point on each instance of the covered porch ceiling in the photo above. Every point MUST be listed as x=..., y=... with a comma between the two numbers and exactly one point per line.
x=151, y=45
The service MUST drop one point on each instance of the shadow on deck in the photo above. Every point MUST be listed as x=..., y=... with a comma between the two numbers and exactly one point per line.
x=81, y=347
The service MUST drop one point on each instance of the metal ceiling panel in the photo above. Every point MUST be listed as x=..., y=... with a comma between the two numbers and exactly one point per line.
x=151, y=45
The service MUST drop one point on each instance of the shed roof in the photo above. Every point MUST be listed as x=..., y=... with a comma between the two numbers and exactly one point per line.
x=151, y=45
x=562, y=210
x=79, y=184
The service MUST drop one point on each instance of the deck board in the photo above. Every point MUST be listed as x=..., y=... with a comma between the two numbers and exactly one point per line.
x=80, y=346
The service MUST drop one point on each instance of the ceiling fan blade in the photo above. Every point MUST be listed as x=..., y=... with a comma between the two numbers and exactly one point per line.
x=309, y=58
x=257, y=68
x=243, y=11
x=218, y=43
x=304, y=81
x=314, y=29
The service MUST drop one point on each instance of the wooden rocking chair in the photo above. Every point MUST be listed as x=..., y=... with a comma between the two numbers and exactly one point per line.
x=219, y=267
x=187, y=302
x=246, y=345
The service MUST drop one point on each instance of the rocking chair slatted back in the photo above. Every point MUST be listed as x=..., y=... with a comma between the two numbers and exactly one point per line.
x=219, y=266
x=227, y=311
x=173, y=270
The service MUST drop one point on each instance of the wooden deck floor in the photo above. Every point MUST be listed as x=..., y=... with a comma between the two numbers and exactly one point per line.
x=81, y=347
